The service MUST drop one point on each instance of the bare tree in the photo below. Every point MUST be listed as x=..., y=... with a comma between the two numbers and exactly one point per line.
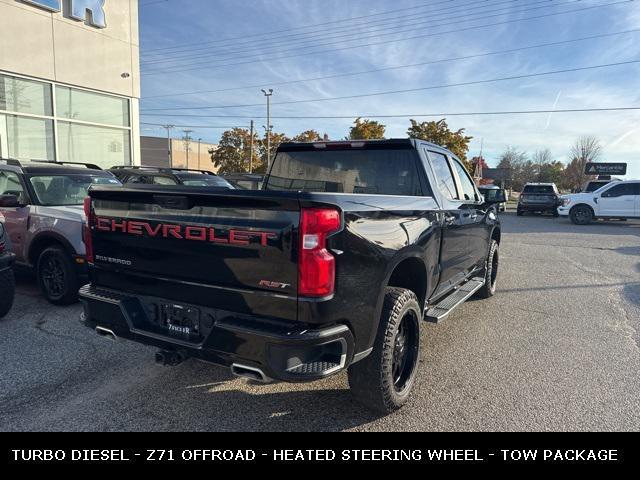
x=587, y=149
x=540, y=159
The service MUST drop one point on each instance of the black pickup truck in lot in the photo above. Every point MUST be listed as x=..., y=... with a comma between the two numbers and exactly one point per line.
x=333, y=265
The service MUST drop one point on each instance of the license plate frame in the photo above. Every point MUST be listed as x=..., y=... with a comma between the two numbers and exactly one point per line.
x=180, y=320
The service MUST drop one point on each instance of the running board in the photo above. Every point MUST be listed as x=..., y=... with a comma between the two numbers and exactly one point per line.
x=440, y=311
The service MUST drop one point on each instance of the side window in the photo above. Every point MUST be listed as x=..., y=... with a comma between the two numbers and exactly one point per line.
x=446, y=183
x=10, y=185
x=468, y=190
x=620, y=190
x=164, y=181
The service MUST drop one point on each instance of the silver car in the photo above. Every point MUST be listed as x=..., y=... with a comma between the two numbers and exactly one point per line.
x=42, y=203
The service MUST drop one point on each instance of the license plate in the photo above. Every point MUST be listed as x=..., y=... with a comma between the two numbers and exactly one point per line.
x=181, y=319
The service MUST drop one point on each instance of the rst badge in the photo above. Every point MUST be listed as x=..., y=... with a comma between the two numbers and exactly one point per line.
x=91, y=11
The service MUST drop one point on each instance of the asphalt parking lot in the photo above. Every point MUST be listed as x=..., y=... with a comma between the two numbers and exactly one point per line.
x=558, y=348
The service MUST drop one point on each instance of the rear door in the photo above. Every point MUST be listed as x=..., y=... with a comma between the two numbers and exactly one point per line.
x=457, y=224
x=618, y=200
x=227, y=251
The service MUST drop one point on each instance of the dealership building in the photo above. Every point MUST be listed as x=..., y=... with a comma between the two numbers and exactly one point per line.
x=70, y=81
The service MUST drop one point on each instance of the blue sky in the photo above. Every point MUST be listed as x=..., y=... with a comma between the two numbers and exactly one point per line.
x=188, y=46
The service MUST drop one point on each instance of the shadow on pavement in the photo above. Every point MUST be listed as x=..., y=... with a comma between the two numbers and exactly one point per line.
x=214, y=400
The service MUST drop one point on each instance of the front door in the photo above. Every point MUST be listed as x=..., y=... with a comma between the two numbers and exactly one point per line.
x=16, y=219
x=618, y=201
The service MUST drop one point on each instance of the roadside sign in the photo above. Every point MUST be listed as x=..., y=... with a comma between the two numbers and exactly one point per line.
x=606, y=169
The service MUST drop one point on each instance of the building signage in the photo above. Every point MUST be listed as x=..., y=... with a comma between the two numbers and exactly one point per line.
x=606, y=169
x=91, y=11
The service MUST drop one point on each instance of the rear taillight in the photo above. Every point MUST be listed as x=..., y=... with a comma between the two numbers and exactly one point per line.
x=86, y=233
x=317, y=267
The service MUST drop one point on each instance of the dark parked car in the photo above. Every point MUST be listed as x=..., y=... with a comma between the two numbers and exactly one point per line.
x=540, y=198
x=7, y=282
x=169, y=176
x=245, y=181
x=292, y=284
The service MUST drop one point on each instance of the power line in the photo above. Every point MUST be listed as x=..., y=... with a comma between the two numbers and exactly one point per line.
x=407, y=90
x=324, y=34
x=159, y=125
x=417, y=115
x=397, y=67
x=428, y=4
x=457, y=31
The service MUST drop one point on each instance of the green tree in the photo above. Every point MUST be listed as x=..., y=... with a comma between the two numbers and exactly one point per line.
x=440, y=134
x=232, y=154
x=307, y=136
x=366, y=130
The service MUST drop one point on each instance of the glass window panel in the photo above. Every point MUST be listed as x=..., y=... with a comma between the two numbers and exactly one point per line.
x=91, y=107
x=25, y=96
x=27, y=138
x=105, y=147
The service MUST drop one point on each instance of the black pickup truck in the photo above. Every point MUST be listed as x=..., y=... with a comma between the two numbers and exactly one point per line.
x=332, y=266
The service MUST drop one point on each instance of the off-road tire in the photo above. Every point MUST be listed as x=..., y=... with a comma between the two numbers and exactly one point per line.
x=7, y=291
x=372, y=379
x=68, y=293
x=488, y=290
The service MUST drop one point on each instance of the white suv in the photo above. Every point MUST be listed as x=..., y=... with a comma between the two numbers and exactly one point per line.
x=614, y=200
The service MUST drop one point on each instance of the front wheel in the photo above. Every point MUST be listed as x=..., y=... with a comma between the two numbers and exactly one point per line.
x=57, y=277
x=7, y=291
x=581, y=215
x=384, y=380
x=490, y=272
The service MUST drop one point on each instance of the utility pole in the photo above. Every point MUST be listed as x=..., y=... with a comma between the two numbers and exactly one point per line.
x=268, y=94
x=187, y=143
x=251, y=149
x=168, y=128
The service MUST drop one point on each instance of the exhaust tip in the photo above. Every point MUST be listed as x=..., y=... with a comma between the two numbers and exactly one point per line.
x=251, y=373
x=106, y=333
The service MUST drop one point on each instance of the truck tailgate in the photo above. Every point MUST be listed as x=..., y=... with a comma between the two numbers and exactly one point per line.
x=233, y=251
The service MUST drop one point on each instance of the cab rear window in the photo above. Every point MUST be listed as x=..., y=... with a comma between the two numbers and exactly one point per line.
x=380, y=172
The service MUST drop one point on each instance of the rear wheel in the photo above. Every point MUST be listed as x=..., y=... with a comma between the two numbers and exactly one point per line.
x=581, y=215
x=7, y=291
x=57, y=277
x=384, y=380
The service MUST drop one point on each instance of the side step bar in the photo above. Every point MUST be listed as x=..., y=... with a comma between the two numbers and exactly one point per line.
x=440, y=311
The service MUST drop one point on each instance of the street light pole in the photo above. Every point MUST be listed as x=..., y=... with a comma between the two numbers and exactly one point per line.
x=268, y=94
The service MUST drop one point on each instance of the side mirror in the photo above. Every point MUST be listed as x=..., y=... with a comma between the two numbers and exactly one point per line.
x=495, y=196
x=9, y=201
